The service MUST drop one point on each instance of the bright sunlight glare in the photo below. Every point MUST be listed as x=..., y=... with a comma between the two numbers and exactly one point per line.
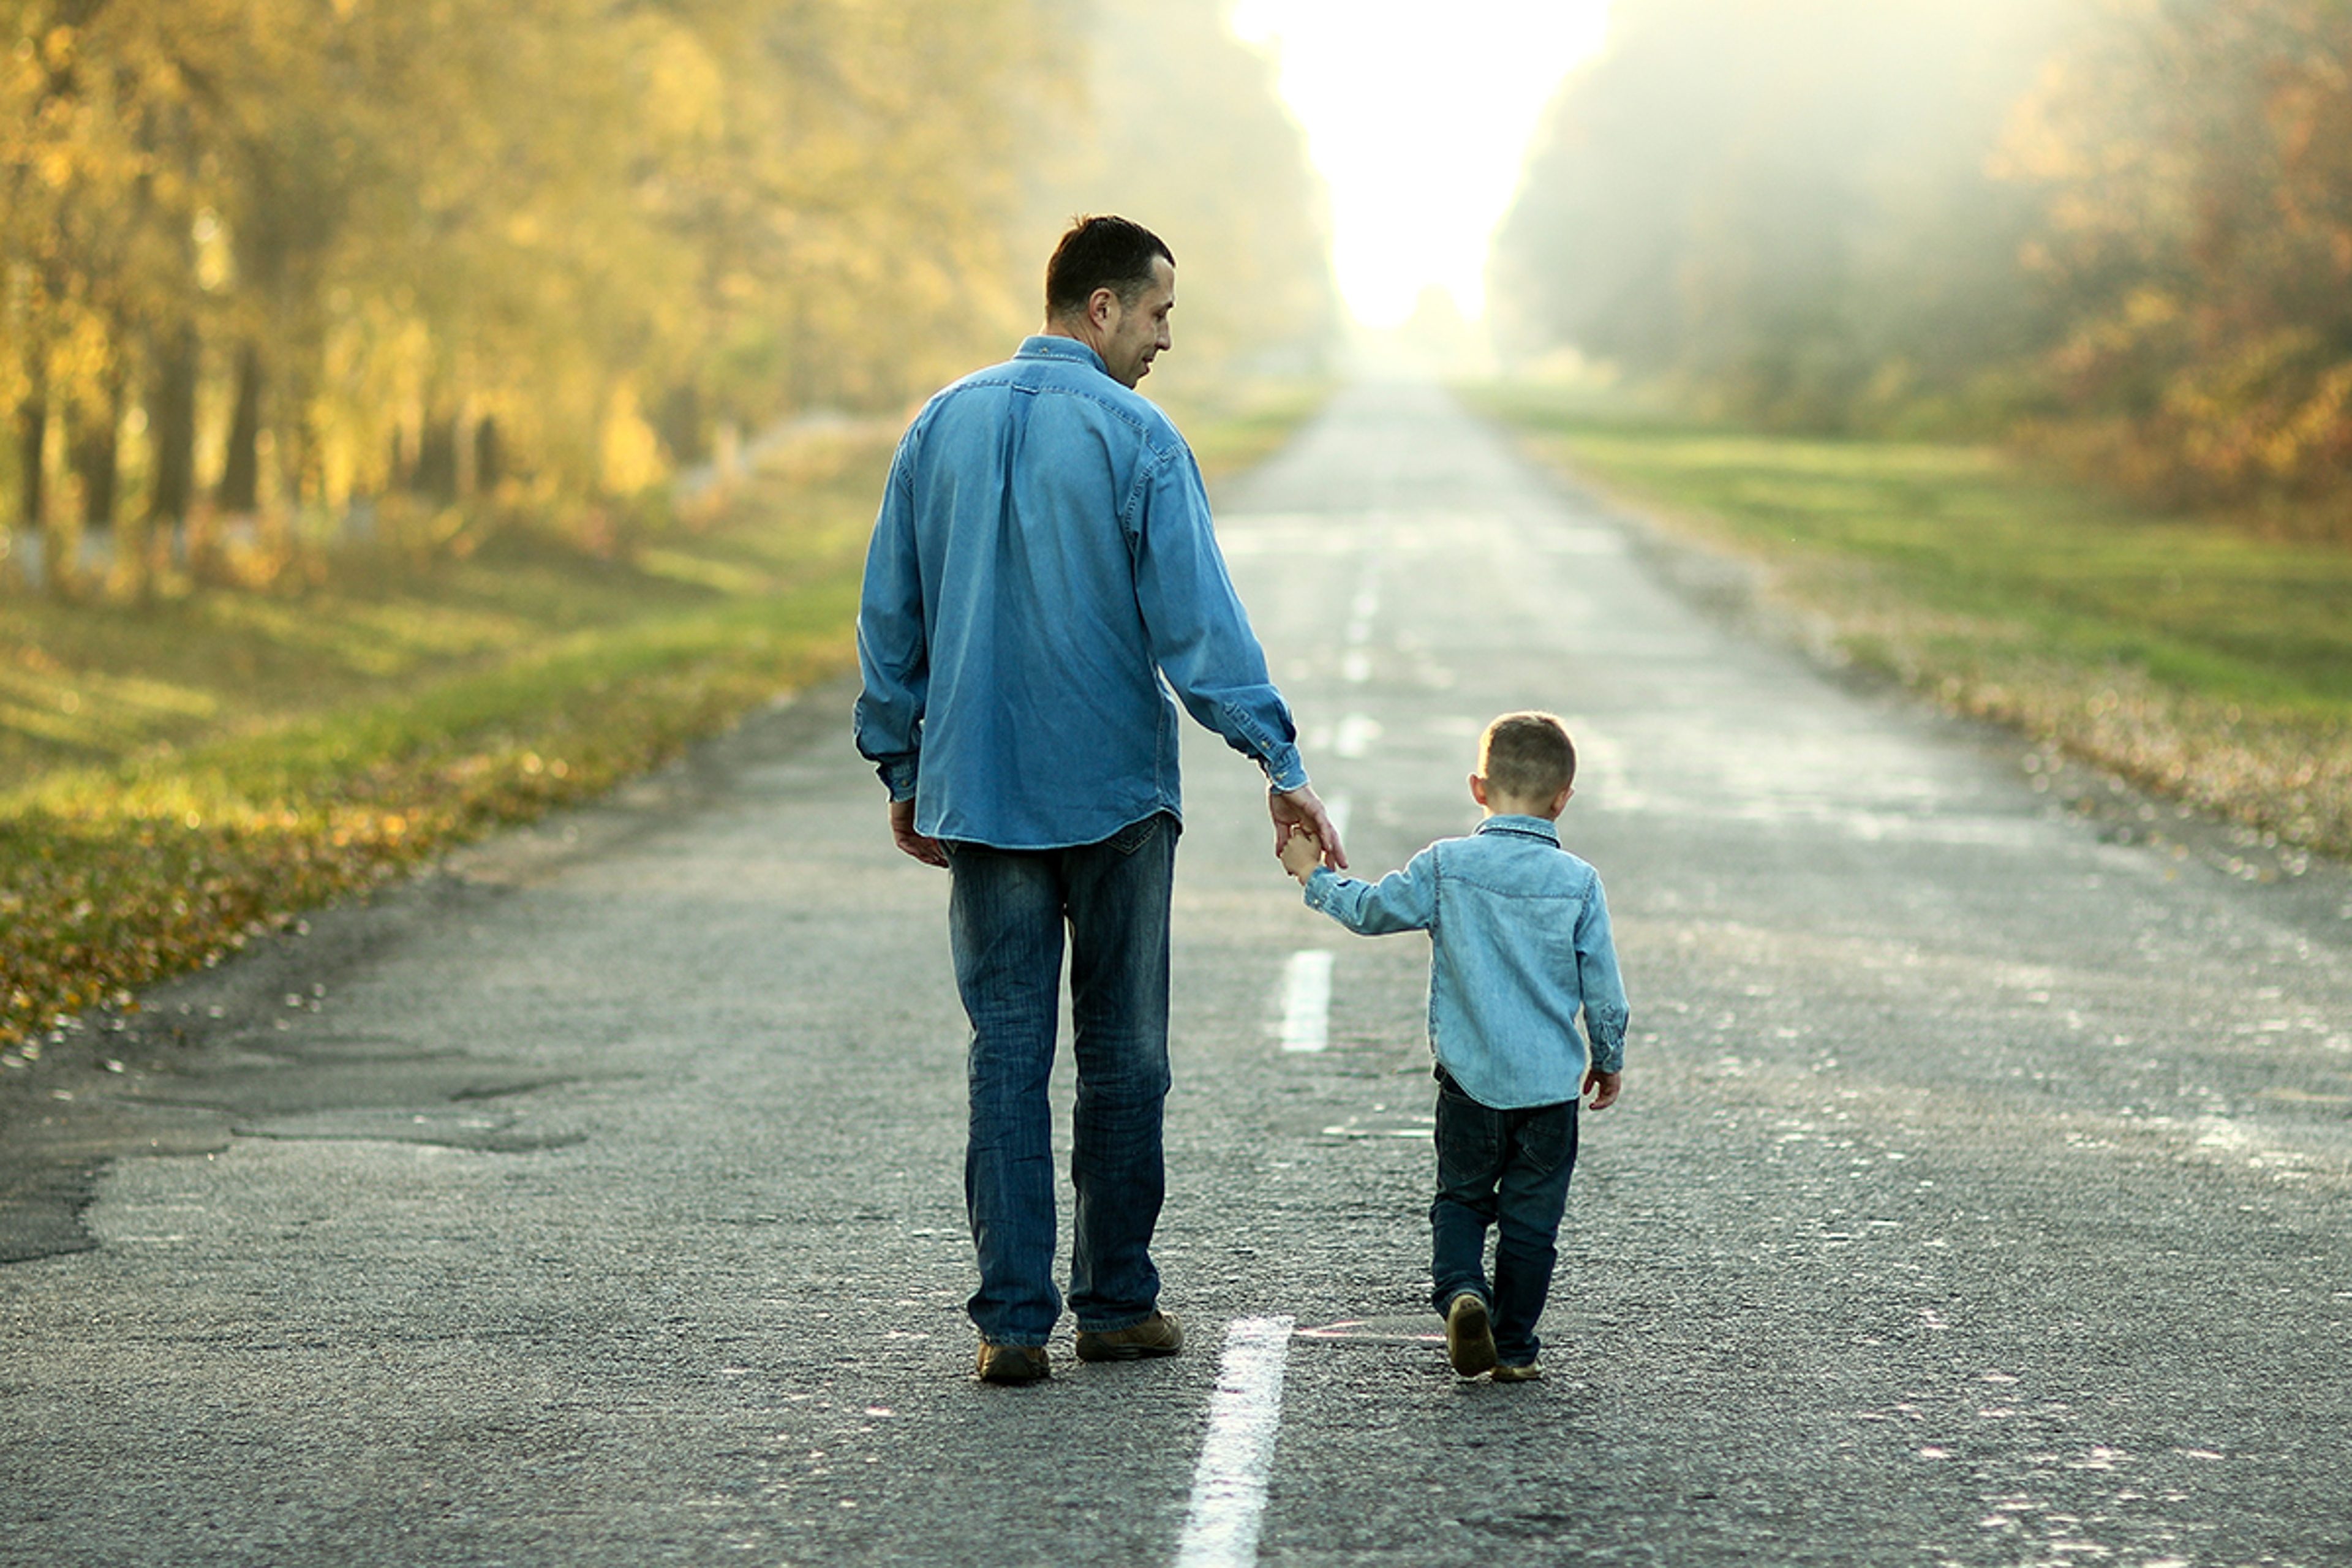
x=1418, y=115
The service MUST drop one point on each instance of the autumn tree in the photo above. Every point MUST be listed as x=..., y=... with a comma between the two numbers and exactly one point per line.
x=2196, y=161
x=424, y=249
x=444, y=257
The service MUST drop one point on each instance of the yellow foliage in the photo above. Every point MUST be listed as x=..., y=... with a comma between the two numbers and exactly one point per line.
x=629, y=450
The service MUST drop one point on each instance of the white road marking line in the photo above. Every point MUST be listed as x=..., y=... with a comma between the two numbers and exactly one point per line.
x=1366, y=604
x=1229, y=1483
x=1359, y=620
x=1307, y=1000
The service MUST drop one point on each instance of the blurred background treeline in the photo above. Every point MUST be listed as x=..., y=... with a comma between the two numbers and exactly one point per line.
x=274, y=273
x=2118, y=230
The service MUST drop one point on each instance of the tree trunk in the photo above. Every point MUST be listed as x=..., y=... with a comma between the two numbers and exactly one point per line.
x=97, y=453
x=679, y=423
x=174, y=421
x=240, y=484
x=487, y=455
x=32, y=438
x=437, y=460
x=80, y=549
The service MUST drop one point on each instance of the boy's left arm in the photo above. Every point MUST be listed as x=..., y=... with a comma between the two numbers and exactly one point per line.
x=1402, y=901
x=1606, y=1013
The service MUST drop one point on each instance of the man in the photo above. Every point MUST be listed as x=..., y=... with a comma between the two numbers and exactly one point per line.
x=1041, y=562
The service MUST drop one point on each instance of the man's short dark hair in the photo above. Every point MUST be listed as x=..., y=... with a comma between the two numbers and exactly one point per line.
x=1528, y=757
x=1101, y=253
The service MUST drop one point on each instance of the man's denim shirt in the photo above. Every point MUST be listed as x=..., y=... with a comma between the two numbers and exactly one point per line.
x=1519, y=943
x=1043, y=557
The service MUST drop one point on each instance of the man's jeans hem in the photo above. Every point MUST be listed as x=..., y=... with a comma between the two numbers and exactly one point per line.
x=1149, y=1313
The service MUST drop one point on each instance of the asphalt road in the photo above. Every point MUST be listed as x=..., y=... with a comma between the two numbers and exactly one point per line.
x=1979, y=1196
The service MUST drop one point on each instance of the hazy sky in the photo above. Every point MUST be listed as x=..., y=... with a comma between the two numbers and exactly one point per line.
x=1417, y=112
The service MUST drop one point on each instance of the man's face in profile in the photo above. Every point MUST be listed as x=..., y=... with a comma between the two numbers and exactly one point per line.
x=1139, y=332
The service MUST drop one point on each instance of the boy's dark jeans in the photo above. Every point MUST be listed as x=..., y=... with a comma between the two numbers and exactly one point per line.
x=1508, y=1169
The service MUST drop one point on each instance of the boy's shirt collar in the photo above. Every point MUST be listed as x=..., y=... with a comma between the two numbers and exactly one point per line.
x=1535, y=827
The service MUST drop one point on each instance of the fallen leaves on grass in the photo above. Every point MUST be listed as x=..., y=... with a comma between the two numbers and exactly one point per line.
x=2288, y=774
x=2284, y=771
x=133, y=878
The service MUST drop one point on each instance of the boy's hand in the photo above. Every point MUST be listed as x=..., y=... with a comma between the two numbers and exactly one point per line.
x=1301, y=852
x=1602, y=1087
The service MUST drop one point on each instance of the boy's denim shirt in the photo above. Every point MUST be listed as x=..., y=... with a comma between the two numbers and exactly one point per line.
x=1043, y=557
x=1519, y=944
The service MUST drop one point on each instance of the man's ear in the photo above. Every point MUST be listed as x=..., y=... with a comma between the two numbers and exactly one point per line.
x=1102, y=307
x=1477, y=789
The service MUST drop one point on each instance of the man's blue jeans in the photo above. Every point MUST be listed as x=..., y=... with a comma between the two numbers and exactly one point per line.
x=1006, y=917
x=1508, y=1169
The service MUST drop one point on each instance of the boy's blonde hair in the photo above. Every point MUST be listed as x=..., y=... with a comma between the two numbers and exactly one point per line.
x=1528, y=757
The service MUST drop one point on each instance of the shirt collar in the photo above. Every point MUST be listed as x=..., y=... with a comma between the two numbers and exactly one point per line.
x=1533, y=827
x=1053, y=345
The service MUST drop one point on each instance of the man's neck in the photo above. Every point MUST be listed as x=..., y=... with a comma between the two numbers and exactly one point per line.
x=1078, y=329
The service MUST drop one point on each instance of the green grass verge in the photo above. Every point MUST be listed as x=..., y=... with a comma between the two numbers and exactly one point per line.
x=2186, y=654
x=177, y=780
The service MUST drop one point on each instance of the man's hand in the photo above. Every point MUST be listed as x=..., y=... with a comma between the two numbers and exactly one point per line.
x=902, y=831
x=1302, y=808
x=1602, y=1087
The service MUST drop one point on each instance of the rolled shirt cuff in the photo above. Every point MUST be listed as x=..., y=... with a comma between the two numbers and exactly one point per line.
x=897, y=776
x=1284, y=770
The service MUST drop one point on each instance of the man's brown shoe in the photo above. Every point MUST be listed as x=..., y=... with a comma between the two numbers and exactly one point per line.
x=1159, y=1334
x=1012, y=1363
x=1469, y=1334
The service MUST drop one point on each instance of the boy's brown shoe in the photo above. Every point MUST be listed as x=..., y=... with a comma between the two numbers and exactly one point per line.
x=1527, y=1373
x=1469, y=1336
x=1159, y=1334
x=1012, y=1363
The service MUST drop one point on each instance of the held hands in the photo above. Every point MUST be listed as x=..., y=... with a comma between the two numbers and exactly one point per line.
x=1302, y=808
x=1301, y=852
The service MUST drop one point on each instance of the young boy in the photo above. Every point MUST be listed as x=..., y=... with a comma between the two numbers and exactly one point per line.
x=1520, y=944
